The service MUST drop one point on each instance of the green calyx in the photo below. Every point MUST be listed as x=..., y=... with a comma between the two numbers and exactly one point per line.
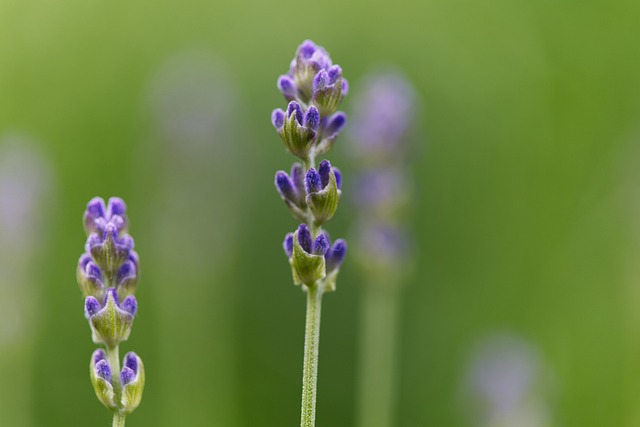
x=297, y=138
x=323, y=204
x=307, y=268
x=111, y=325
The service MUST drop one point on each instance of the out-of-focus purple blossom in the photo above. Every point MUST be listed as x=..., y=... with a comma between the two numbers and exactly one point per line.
x=506, y=382
x=383, y=114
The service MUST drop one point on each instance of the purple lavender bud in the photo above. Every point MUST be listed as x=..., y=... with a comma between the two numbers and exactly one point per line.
x=91, y=307
x=345, y=87
x=287, y=86
x=324, y=170
x=304, y=238
x=95, y=210
x=127, y=375
x=98, y=355
x=130, y=305
x=103, y=370
x=334, y=73
x=306, y=49
x=383, y=115
x=294, y=107
x=297, y=177
x=116, y=206
x=277, y=119
x=312, y=118
x=313, y=182
x=335, y=255
x=288, y=244
x=131, y=361
x=321, y=244
x=285, y=187
x=127, y=274
x=321, y=81
x=334, y=124
x=338, y=175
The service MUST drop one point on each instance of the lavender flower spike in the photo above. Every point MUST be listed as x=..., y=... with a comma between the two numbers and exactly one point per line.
x=107, y=274
x=314, y=88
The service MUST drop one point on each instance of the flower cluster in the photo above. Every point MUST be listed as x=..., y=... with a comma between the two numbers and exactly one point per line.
x=383, y=116
x=314, y=88
x=107, y=274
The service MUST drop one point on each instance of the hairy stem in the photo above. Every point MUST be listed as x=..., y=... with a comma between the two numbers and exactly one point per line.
x=311, y=345
x=377, y=356
x=118, y=419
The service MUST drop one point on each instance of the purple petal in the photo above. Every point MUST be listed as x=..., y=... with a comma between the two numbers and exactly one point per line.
x=307, y=49
x=127, y=271
x=98, y=355
x=127, y=375
x=335, y=124
x=324, y=170
x=287, y=86
x=131, y=361
x=321, y=244
x=338, y=175
x=304, y=237
x=95, y=208
x=103, y=370
x=277, y=118
x=288, y=244
x=297, y=177
x=312, y=181
x=334, y=73
x=295, y=107
x=336, y=254
x=93, y=271
x=312, y=118
x=285, y=186
x=345, y=87
x=116, y=207
x=85, y=259
x=91, y=306
x=320, y=81
x=133, y=257
x=130, y=305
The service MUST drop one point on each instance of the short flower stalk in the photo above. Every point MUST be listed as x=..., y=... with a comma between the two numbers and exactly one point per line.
x=309, y=126
x=107, y=274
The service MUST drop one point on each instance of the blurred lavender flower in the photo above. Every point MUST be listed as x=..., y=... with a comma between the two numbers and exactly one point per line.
x=27, y=195
x=107, y=272
x=314, y=88
x=506, y=382
x=194, y=108
x=383, y=115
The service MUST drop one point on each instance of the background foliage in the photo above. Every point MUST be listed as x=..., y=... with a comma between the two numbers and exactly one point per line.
x=526, y=202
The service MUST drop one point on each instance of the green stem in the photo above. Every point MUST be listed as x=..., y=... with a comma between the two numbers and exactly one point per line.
x=118, y=419
x=377, y=355
x=311, y=345
x=113, y=357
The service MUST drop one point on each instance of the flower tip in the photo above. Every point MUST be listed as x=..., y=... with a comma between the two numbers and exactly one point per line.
x=312, y=118
x=127, y=375
x=277, y=118
x=103, y=370
x=304, y=237
x=312, y=181
x=91, y=306
x=130, y=305
x=287, y=245
x=116, y=206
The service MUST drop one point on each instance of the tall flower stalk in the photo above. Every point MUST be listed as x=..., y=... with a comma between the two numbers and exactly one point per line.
x=107, y=274
x=383, y=116
x=314, y=88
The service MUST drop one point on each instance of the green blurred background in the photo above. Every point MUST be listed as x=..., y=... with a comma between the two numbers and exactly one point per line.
x=526, y=203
